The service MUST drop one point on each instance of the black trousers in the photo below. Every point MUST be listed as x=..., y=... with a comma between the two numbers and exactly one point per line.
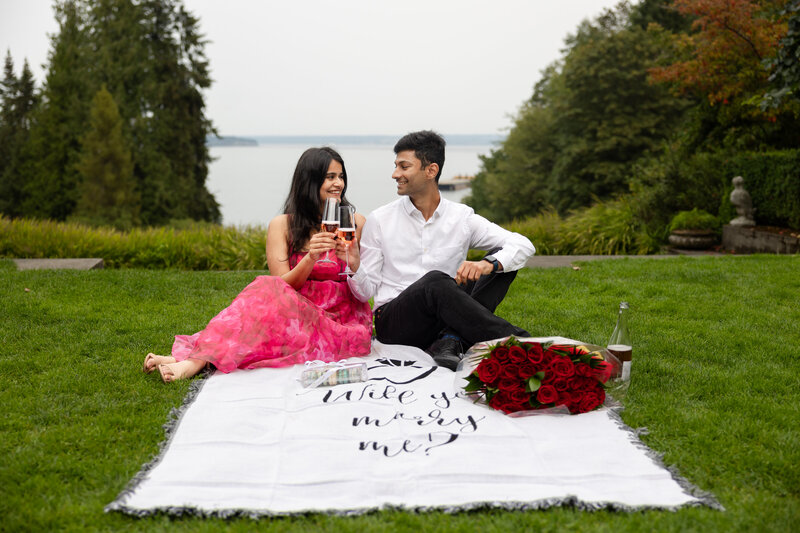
x=436, y=304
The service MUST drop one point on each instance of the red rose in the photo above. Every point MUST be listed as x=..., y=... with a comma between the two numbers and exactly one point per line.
x=562, y=367
x=603, y=371
x=500, y=353
x=535, y=353
x=488, y=370
x=582, y=369
x=509, y=384
x=502, y=402
x=510, y=371
x=517, y=355
x=591, y=400
x=580, y=383
x=561, y=384
x=550, y=354
x=566, y=398
x=527, y=370
x=547, y=394
x=497, y=401
x=560, y=349
x=520, y=397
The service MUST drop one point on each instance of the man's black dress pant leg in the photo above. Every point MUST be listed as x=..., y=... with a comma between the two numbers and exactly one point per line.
x=435, y=302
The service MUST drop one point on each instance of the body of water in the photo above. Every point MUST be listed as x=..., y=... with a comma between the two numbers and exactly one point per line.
x=251, y=182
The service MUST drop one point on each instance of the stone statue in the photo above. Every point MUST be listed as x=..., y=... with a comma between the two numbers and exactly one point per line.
x=740, y=199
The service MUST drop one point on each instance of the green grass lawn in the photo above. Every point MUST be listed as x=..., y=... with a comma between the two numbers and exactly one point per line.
x=715, y=379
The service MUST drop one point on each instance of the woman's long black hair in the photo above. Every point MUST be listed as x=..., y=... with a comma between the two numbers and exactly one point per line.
x=303, y=204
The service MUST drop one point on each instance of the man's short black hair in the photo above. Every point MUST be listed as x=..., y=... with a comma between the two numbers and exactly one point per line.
x=428, y=147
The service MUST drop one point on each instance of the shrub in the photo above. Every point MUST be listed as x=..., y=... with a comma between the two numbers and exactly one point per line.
x=694, y=219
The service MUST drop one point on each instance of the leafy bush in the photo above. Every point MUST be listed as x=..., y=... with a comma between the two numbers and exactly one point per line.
x=196, y=247
x=694, y=219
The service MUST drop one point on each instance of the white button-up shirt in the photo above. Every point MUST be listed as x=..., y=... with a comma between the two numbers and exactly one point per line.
x=398, y=246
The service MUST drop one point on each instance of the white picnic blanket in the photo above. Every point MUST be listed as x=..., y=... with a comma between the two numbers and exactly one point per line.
x=256, y=443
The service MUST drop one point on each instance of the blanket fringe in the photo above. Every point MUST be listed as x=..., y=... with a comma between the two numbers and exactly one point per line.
x=704, y=497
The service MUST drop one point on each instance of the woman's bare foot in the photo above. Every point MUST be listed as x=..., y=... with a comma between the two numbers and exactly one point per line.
x=181, y=370
x=152, y=361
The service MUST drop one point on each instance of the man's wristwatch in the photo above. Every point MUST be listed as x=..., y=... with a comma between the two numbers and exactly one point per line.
x=495, y=263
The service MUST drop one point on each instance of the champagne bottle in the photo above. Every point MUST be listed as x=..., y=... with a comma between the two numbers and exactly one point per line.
x=620, y=342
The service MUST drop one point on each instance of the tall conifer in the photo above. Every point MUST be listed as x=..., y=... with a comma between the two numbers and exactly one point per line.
x=8, y=90
x=108, y=192
x=51, y=178
x=18, y=101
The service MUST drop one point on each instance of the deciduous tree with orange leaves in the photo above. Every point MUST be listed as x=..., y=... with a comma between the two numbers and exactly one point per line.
x=722, y=59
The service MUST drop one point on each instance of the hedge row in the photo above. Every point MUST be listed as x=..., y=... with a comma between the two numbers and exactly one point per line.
x=198, y=247
x=773, y=181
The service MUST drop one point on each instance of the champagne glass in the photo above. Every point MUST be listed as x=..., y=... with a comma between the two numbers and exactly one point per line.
x=347, y=232
x=330, y=223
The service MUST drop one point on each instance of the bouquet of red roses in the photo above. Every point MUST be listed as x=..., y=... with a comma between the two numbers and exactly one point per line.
x=518, y=376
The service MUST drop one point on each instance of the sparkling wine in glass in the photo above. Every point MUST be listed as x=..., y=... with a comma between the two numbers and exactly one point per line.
x=330, y=223
x=347, y=232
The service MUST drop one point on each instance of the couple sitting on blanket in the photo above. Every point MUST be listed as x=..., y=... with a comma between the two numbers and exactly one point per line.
x=409, y=255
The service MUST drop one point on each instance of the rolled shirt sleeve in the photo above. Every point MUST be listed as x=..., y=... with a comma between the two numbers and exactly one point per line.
x=515, y=249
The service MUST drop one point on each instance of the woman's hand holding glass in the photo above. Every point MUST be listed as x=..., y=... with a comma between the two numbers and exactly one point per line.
x=320, y=244
x=330, y=223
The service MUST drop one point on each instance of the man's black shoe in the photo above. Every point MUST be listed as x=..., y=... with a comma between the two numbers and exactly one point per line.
x=446, y=352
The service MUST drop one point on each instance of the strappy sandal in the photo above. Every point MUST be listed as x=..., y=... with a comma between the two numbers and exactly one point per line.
x=152, y=361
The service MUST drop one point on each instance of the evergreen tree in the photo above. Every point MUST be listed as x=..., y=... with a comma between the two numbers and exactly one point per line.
x=8, y=92
x=50, y=176
x=18, y=101
x=108, y=195
x=150, y=56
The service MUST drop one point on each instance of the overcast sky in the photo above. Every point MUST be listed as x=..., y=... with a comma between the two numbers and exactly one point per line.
x=317, y=67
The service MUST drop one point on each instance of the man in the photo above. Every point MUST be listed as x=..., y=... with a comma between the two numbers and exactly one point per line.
x=412, y=261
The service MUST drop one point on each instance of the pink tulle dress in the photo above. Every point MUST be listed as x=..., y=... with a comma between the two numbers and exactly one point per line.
x=269, y=324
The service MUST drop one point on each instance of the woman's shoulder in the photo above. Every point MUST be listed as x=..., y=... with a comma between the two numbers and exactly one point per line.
x=280, y=220
x=279, y=223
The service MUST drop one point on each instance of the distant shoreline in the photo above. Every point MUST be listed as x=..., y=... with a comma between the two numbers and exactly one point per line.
x=460, y=139
x=213, y=140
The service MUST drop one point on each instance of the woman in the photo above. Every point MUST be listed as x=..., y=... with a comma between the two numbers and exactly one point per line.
x=304, y=310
